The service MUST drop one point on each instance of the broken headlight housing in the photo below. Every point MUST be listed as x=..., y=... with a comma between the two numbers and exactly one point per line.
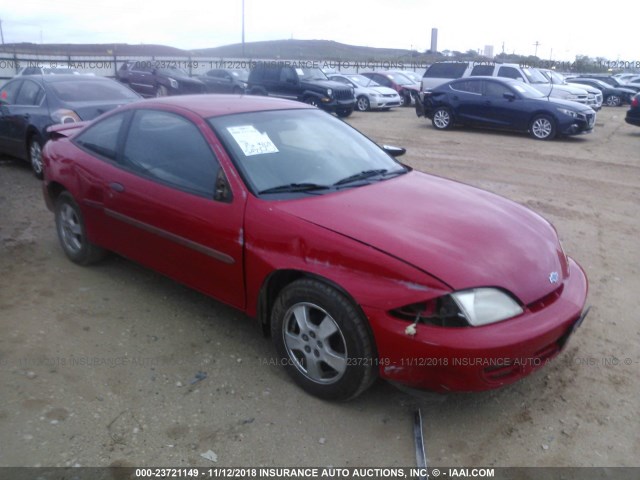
x=474, y=307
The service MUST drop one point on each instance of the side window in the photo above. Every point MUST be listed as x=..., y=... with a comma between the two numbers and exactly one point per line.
x=30, y=94
x=446, y=70
x=494, y=89
x=102, y=138
x=484, y=70
x=382, y=80
x=510, y=72
x=9, y=91
x=341, y=80
x=288, y=74
x=271, y=74
x=468, y=86
x=170, y=149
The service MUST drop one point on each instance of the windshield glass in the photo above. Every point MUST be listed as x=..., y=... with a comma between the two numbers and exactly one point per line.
x=534, y=76
x=173, y=71
x=363, y=81
x=91, y=91
x=304, y=147
x=311, y=74
x=400, y=79
x=527, y=91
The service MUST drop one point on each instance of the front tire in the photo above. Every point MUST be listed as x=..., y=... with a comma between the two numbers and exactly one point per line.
x=344, y=113
x=34, y=155
x=72, y=232
x=542, y=127
x=323, y=340
x=312, y=101
x=442, y=119
x=161, y=91
x=613, y=101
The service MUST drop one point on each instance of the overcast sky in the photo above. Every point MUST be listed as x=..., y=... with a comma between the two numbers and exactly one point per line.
x=562, y=29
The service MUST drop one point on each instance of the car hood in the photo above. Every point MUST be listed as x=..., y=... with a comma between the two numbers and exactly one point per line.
x=91, y=110
x=588, y=88
x=560, y=102
x=324, y=84
x=464, y=236
x=382, y=90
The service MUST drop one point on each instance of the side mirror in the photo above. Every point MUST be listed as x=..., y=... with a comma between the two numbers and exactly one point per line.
x=222, y=191
x=394, y=151
x=509, y=96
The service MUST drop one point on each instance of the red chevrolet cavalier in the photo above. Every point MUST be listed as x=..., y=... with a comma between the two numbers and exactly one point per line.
x=358, y=266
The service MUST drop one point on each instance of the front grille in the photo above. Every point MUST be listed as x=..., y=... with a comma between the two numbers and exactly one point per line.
x=343, y=94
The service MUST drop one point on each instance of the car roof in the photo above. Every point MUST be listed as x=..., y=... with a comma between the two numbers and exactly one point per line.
x=215, y=105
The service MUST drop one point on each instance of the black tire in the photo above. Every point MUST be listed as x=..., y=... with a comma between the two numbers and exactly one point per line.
x=311, y=320
x=344, y=113
x=442, y=119
x=406, y=99
x=161, y=91
x=312, y=101
x=362, y=104
x=72, y=233
x=613, y=101
x=237, y=91
x=542, y=127
x=34, y=155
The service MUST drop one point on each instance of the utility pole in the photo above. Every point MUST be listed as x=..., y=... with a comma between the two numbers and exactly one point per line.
x=242, y=28
x=1, y=32
x=537, y=44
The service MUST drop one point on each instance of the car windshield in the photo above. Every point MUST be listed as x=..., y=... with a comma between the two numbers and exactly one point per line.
x=242, y=75
x=534, y=76
x=302, y=150
x=400, y=79
x=173, y=71
x=363, y=81
x=311, y=74
x=556, y=78
x=91, y=91
x=527, y=91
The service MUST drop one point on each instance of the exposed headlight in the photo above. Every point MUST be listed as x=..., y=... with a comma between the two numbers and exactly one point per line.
x=566, y=111
x=329, y=92
x=482, y=306
x=173, y=83
x=65, y=116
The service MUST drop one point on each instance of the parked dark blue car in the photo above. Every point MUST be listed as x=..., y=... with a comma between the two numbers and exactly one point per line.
x=503, y=103
x=30, y=104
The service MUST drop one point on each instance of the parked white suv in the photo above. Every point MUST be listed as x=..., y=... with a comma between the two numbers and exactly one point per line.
x=442, y=72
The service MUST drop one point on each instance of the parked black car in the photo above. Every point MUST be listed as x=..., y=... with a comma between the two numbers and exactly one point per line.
x=612, y=96
x=225, y=80
x=633, y=114
x=151, y=81
x=30, y=104
x=309, y=85
x=504, y=103
x=613, y=81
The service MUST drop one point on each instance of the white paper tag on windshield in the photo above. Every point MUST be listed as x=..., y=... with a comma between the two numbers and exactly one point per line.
x=251, y=141
x=300, y=72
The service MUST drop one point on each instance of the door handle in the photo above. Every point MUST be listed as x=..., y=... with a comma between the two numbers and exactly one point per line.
x=117, y=187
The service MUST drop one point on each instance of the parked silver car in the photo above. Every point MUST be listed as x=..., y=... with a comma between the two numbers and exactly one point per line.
x=369, y=94
x=594, y=100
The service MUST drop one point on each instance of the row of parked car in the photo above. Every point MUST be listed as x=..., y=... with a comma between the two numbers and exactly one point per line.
x=542, y=102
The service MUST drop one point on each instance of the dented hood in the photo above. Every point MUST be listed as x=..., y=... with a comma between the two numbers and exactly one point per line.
x=464, y=236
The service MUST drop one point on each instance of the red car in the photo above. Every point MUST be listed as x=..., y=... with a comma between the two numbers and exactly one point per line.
x=406, y=88
x=358, y=266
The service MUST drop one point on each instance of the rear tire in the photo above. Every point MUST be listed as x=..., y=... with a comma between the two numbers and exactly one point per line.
x=161, y=91
x=344, y=113
x=323, y=340
x=34, y=155
x=72, y=232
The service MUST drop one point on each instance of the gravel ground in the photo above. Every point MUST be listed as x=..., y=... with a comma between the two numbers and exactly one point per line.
x=97, y=363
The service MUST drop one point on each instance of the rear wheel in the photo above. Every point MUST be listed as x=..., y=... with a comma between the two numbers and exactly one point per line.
x=542, y=127
x=406, y=99
x=161, y=91
x=442, y=119
x=323, y=340
x=362, y=104
x=72, y=233
x=34, y=154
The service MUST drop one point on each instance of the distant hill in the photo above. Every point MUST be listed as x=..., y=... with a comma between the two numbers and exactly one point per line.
x=307, y=50
x=273, y=49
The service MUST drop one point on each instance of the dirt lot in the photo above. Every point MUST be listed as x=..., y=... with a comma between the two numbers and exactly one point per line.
x=96, y=363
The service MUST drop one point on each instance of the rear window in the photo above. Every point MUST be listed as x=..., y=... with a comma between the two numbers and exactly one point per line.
x=91, y=91
x=482, y=70
x=445, y=70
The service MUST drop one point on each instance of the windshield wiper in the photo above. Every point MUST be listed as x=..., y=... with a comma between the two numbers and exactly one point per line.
x=368, y=174
x=294, y=187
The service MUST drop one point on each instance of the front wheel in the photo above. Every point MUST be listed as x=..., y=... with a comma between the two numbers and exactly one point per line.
x=344, y=113
x=161, y=91
x=34, y=154
x=323, y=340
x=442, y=119
x=72, y=233
x=312, y=101
x=542, y=127
x=613, y=101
